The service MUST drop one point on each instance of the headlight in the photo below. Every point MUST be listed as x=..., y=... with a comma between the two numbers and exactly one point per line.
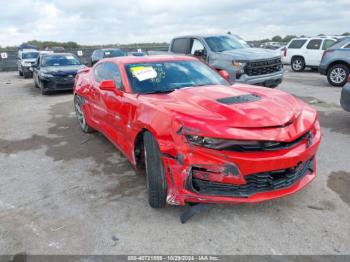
x=46, y=75
x=221, y=144
x=238, y=64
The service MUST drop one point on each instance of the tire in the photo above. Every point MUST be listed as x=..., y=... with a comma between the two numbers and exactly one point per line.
x=20, y=73
x=272, y=86
x=44, y=92
x=79, y=112
x=27, y=75
x=298, y=64
x=338, y=75
x=155, y=174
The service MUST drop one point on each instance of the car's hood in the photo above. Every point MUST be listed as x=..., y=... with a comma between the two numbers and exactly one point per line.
x=272, y=108
x=249, y=54
x=62, y=70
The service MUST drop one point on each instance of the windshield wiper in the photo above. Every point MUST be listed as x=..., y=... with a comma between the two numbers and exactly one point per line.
x=159, y=91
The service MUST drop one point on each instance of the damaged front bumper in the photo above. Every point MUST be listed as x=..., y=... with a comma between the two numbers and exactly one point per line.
x=209, y=176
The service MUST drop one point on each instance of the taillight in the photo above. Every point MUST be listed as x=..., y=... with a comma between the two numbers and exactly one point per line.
x=325, y=52
x=285, y=51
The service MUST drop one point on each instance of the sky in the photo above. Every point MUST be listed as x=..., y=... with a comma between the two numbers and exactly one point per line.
x=135, y=21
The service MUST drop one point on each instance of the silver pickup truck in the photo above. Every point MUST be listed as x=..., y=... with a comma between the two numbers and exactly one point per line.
x=229, y=52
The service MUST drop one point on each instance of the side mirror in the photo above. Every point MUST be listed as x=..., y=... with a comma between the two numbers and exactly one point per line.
x=224, y=74
x=200, y=53
x=109, y=85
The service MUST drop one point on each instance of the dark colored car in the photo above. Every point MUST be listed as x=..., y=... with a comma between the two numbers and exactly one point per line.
x=335, y=63
x=55, y=72
x=99, y=54
x=345, y=96
x=197, y=138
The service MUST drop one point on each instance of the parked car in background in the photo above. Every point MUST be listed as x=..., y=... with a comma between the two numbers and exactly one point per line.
x=230, y=52
x=26, y=59
x=55, y=72
x=137, y=53
x=272, y=45
x=306, y=52
x=335, y=63
x=99, y=54
x=345, y=96
x=197, y=138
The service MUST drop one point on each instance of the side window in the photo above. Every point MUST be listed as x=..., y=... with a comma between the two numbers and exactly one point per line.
x=180, y=45
x=296, y=44
x=196, y=46
x=93, y=56
x=38, y=61
x=98, y=73
x=314, y=44
x=327, y=43
x=113, y=73
x=347, y=46
x=108, y=71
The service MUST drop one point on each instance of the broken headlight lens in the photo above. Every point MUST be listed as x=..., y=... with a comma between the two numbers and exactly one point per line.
x=220, y=144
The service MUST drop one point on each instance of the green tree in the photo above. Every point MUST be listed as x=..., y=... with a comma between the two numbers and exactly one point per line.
x=287, y=38
x=277, y=38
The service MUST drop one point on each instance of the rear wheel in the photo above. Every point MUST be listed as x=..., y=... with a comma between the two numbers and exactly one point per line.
x=298, y=64
x=156, y=183
x=78, y=102
x=20, y=73
x=338, y=74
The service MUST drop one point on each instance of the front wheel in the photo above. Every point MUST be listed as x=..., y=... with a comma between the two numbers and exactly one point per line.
x=298, y=64
x=156, y=183
x=338, y=74
x=78, y=102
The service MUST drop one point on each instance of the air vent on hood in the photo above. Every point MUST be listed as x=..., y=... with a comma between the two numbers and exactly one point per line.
x=239, y=99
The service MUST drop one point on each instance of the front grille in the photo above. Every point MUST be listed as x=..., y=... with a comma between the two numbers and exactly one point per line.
x=256, y=183
x=269, y=145
x=263, y=67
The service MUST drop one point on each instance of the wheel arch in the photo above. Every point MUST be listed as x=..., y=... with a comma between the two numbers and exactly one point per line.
x=138, y=148
x=297, y=56
x=342, y=62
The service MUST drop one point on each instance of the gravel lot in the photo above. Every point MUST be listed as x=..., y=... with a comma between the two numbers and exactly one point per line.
x=65, y=192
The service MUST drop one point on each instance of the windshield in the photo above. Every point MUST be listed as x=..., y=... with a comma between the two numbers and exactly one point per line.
x=157, y=77
x=31, y=55
x=224, y=43
x=113, y=53
x=60, y=60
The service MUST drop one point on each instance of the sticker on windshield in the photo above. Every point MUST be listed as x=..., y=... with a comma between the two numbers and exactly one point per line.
x=107, y=53
x=143, y=73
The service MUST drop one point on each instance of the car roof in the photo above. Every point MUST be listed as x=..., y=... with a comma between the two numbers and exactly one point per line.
x=146, y=59
x=314, y=37
x=29, y=51
x=110, y=48
x=56, y=54
x=206, y=35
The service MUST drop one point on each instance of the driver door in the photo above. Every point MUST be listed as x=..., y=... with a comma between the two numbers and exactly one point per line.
x=108, y=104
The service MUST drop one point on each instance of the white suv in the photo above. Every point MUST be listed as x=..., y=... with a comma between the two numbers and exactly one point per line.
x=306, y=52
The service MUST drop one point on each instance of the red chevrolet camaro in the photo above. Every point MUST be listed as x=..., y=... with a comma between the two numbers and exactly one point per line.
x=198, y=138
